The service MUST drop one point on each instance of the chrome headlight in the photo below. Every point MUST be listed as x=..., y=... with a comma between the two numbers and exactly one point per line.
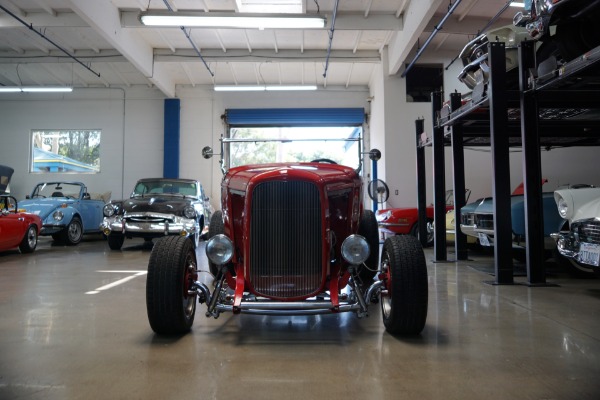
x=58, y=215
x=189, y=212
x=219, y=249
x=109, y=210
x=563, y=207
x=355, y=249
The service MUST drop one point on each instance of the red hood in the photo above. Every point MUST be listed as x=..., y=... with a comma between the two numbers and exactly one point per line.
x=332, y=176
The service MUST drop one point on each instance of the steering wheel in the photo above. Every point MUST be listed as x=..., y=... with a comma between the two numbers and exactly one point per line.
x=324, y=160
x=39, y=195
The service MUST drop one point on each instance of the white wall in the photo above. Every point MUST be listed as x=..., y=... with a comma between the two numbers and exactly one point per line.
x=131, y=143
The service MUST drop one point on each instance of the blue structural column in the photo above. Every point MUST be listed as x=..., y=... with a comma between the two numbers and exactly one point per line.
x=171, y=137
x=374, y=171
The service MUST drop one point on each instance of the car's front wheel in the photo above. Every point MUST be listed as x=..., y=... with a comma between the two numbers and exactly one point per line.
x=115, y=241
x=29, y=242
x=73, y=233
x=429, y=229
x=172, y=270
x=405, y=293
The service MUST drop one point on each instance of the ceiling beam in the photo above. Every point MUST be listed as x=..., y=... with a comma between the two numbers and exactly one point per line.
x=104, y=17
x=44, y=20
x=416, y=17
x=282, y=55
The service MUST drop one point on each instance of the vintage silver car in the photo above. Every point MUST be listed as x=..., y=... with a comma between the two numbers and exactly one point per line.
x=158, y=207
x=579, y=241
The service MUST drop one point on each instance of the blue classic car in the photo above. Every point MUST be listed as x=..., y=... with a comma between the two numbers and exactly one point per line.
x=67, y=210
x=477, y=219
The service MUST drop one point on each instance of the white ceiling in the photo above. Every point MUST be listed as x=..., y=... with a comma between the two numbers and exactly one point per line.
x=108, y=47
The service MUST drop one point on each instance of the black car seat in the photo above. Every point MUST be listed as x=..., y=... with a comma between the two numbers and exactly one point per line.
x=57, y=194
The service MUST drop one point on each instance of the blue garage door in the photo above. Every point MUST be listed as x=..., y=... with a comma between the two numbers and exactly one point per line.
x=287, y=117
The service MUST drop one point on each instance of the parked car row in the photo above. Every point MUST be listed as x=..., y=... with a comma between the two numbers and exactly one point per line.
x=65, y=210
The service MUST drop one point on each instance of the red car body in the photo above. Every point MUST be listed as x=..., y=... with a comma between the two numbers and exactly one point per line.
x=17, y=229
x=335, y=187
x=290, y=239
x=404, y=220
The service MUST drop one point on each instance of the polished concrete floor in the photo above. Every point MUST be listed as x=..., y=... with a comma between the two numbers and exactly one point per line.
x=73, y=326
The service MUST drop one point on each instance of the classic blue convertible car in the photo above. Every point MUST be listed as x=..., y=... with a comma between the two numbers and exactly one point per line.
x=477, y=219
x=66, y=209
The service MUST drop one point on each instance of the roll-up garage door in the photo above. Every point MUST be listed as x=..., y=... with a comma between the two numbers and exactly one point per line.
x=287, y=117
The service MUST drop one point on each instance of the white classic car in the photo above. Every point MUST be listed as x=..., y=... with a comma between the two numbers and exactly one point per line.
x=579, y=246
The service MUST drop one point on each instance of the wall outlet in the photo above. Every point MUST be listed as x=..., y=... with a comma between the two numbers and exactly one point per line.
x=396, y=192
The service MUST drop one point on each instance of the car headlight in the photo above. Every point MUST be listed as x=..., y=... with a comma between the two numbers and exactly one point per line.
x=355, y=249
x=58, y=215
x=563, y=207
x=219, y=249
x=189, y=212
x=109, y=210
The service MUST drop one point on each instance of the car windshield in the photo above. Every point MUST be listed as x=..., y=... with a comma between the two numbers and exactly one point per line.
x=57, y=190
x=164, y=187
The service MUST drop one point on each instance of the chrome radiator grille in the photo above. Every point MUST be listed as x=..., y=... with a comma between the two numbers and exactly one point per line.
x=589, y=231
x=285, y=239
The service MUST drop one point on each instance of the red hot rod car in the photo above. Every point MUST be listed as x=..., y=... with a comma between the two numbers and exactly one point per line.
x=291, y=239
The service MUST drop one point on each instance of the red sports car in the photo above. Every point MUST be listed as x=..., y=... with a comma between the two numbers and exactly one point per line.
x=17, y=229
x=403, y=220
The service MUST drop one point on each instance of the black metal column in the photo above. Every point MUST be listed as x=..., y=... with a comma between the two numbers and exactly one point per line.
x=500, y=164
x=458, y=175
x=421, y=181
x=439, y=181
x=532, y=169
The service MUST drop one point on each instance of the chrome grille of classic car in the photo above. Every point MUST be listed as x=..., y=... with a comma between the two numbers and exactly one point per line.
x=285, y=239
x=588, y=231
x=148, y=218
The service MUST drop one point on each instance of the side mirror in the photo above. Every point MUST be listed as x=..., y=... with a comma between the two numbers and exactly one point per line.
x=207, y=152
x=375, y=154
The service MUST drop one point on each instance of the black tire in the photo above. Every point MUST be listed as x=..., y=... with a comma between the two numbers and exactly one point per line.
x=405, y=294
x=171, y=269
x=215, y=227
x=73, y=233
x=29, y=242
x=430, y=234
x=368, y=229
x=115, y=241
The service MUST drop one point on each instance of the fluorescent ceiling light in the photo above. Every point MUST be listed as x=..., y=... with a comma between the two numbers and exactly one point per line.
x=47, y=89
x=517, y=4
x=232, y=20
x=262, y=88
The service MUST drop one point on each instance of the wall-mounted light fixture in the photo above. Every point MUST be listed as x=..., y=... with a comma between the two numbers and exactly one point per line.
x=39, y=89
x=519, y=4
x=262, y=88
x=231, y=20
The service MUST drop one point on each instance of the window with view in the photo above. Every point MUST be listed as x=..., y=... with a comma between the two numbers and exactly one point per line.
x=65, y=151
x=259, y=145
